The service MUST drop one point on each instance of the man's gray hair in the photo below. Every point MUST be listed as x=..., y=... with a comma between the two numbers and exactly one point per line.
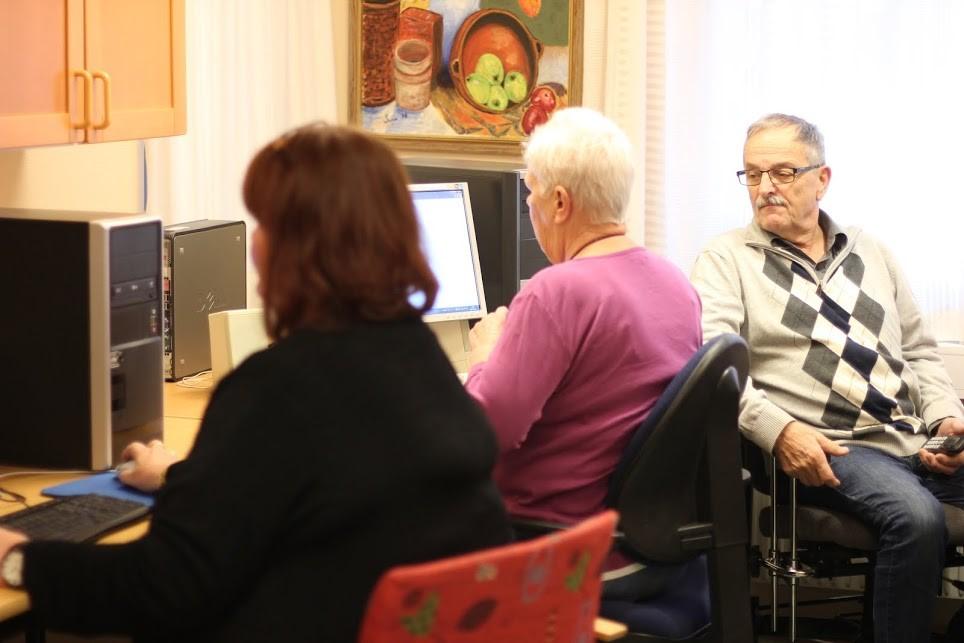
x=807, y=133
x=587, y=154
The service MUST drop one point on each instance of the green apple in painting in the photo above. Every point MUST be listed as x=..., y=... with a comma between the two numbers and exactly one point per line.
x=490, y=66
x=515, y=86
x=479, y=88
x=498, y=100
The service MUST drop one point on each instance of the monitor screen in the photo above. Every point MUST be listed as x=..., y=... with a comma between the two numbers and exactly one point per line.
x=444, y=214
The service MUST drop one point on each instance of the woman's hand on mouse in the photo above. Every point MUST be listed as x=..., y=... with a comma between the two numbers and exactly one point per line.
x=149, y=465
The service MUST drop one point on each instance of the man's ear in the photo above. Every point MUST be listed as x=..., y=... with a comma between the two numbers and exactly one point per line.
x=561, y=204
x=824, y=181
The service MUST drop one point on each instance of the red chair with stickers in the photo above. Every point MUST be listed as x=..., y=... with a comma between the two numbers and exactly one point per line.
x=545, y=589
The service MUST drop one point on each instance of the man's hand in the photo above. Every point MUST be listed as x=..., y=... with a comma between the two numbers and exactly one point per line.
x=802, y=453
x=149, y=463
x=942, y=462
x=485, y=334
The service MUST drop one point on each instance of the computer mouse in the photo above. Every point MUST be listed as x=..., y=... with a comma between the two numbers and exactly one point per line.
x=125, y=466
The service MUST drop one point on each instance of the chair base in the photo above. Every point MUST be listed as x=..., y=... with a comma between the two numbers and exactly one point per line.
x=813, y=629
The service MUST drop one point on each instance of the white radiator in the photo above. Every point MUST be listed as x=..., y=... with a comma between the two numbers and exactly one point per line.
x=953, y=356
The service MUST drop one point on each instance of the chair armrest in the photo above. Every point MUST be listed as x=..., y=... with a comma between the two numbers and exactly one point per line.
x=696, y=536
x=606, y=630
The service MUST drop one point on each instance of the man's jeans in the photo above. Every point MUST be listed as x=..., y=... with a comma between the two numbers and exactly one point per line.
x=901, y=500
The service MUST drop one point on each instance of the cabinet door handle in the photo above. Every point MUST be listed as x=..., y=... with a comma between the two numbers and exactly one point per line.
x=105, y=123
x=88, y=97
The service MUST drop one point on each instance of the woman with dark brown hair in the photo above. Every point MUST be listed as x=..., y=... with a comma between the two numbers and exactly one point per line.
x=347, y=447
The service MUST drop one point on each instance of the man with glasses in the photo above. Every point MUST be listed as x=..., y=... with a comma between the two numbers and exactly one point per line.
x=845, y=382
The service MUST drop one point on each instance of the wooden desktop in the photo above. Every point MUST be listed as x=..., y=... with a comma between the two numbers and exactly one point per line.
x=183, y=408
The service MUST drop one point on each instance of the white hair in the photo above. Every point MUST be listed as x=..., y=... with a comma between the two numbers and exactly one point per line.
x=586, y=153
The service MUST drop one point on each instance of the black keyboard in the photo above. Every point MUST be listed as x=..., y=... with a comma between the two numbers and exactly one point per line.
x=74, y=518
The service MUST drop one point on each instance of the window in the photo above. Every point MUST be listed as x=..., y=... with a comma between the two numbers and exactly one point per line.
x=880, y=78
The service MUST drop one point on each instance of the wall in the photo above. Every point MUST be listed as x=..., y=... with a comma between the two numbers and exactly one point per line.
x=107, y=177
x=255, y=69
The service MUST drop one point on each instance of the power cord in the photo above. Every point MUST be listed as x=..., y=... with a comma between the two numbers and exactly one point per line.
x=12, y=474
x=203, y=379
x=7, y=495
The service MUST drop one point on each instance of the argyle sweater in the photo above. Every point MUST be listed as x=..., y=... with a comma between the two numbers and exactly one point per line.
x=846, y=351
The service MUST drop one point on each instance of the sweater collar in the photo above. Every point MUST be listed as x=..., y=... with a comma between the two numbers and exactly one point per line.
x=834, y=235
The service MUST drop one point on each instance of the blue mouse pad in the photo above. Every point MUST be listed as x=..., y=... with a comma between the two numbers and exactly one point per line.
x=105, y=484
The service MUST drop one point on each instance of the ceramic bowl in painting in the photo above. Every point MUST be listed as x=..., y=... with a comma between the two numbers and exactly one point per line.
x=497, y=32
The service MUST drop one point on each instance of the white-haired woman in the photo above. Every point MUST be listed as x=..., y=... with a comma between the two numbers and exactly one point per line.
x=576, y=363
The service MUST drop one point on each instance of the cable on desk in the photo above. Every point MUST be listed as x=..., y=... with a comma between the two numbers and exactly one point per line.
x=55, y=472
x=198, y=380
x=12, y=496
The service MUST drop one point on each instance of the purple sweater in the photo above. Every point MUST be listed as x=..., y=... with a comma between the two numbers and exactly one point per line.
x=587, y=348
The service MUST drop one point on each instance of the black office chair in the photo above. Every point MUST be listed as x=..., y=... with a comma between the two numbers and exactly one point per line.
x=679, y=491
x=823, y=543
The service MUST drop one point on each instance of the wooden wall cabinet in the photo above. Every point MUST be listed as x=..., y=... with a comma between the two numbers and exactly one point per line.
x=90, y=71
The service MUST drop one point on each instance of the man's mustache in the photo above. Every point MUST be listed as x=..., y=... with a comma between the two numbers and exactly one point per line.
x=771, y=199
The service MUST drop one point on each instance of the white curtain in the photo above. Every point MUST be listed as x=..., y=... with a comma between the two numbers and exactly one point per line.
x=880, y=78
x=254, y=69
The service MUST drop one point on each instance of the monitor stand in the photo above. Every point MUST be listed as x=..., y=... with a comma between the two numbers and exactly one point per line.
x=453, y=336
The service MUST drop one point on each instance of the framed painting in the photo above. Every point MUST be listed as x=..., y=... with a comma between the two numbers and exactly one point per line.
x=463, y=75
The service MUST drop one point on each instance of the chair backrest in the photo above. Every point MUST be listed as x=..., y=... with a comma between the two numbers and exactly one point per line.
x=679, y=486
x=679, y=481
x=546, y=589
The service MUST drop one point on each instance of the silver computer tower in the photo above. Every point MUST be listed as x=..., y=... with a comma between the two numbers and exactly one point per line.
x=80, y=337
x=204, y=268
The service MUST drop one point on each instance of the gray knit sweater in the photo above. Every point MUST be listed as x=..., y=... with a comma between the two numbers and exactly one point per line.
x=846, y=352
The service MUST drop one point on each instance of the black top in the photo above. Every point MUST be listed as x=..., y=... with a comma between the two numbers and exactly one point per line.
x=320, y=463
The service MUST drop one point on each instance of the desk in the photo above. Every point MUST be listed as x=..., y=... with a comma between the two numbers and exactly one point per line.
x=183, y=408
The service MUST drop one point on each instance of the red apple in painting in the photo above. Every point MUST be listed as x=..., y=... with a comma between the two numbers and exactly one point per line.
x=533, y=118
x=544, y=98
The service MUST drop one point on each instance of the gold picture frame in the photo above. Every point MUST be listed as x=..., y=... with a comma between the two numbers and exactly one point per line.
x=420, y=70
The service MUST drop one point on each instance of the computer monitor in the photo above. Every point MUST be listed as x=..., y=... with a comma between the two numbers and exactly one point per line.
x=500, y=214
x=444, y=213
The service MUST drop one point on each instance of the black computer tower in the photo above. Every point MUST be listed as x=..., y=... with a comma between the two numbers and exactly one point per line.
x=80, y=337
x=530, y=258
x=508, y=251
x=205, y=265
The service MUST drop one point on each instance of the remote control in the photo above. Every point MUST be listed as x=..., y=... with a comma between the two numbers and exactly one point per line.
x=950, y=444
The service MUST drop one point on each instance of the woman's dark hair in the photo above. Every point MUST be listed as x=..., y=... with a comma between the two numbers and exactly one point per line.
x=342, y=237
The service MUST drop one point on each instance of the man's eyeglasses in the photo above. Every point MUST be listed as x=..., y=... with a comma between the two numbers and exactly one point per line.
x=777, y=174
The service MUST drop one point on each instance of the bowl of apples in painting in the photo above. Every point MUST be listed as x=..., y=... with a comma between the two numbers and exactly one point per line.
x=494, y=62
